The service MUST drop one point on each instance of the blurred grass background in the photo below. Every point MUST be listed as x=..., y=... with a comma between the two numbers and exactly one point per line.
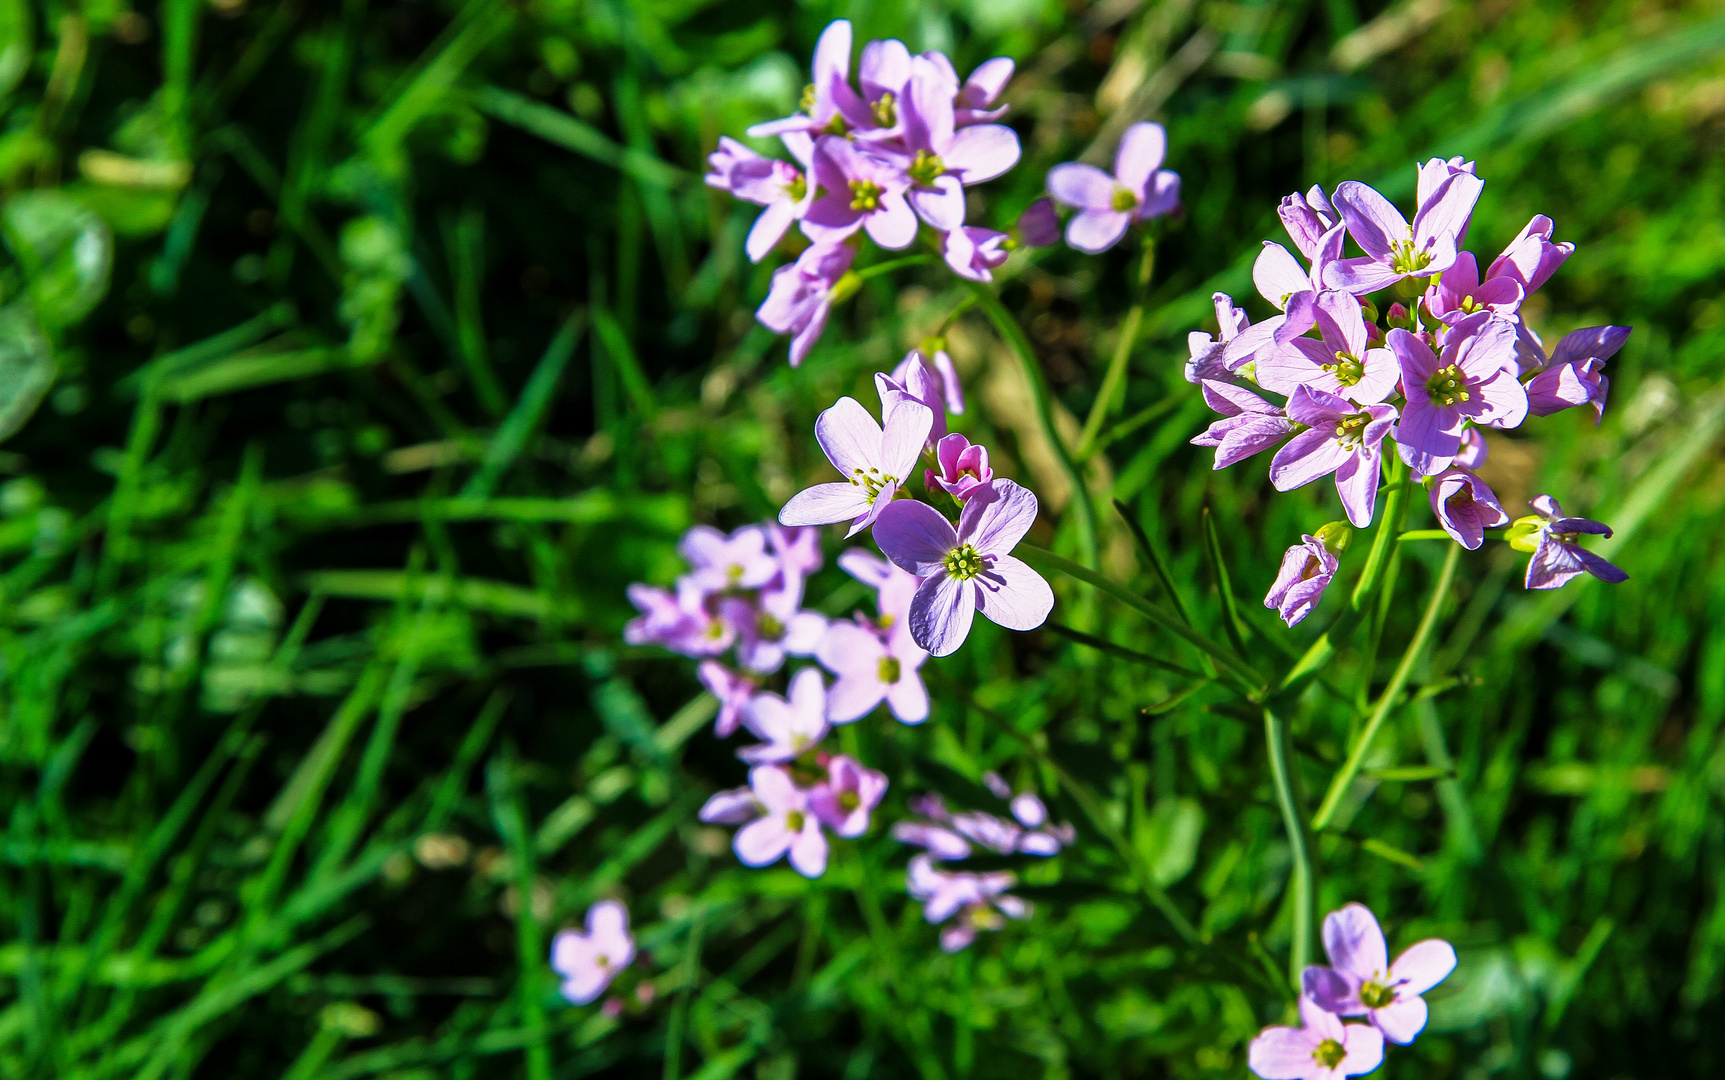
x=388, y=340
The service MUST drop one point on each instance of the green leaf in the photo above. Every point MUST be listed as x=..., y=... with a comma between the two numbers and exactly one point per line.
x=1168, y=838
x=27, y=367
x=15, y=41
x=67, y=251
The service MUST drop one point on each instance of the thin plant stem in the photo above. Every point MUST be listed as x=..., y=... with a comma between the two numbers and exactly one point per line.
x=1351, y=768
x=892, y=264
x=1114, y=381
x=1013, y=334
x=1303, y=881
x=1389, y=526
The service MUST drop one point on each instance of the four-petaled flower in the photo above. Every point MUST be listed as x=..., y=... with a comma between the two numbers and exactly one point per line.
x=980, y=900
x=1395, y=250
x=588, y=962
x=850, y=792
x=963, y=467
x=787, y=824
x=1307, y=569
x=790, y=727
x=1558, y=557
x=874, y=461
x=1139, y=190
x=782, y=188
x=1325, y=1049
x=1361, y=981
x=940, y=158
x=1474, y=379
x=870, y=668
x=1341, y=361
x=802, y=296
x=1575, y=373
x=1341, y=438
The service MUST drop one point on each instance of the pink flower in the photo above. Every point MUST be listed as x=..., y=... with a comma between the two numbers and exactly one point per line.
x=1307, y=218
x=797, y=549
x=829, y=97
x=874, y=461
x=1459, y=293
x=1249, y=425
x=779, y=186
x=914, y=380
x=1307, y=569
x=1474, y=379
x=790, y=728
x=1576, y=372
x=963, y=467
x=858, y=190
x=1139, y=190
x=1340, y=438
x=1554, y=540
x=1340, y=362
x=588, y=962
x=967, y=569
x=974, y=252
x=951, y=390
x=844, y=800
x=1394, y=249
x=771, y=625
x=733, y=690
x=894, y=589
x=1325, y=1049
x=1531, y=258
x=718, y=562
x=787, y=825
x=677, y=621
x=1361, y=981
x=869, y=670
x=979, y=900
x=940, y=158
x=801, y=296
x=1464, y=506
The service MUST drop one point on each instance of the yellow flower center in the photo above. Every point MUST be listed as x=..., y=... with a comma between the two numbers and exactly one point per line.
x=1523, y=534
x=865, y=195
x=890, y=669
x=1329, y=1053
x=1469, y=305
x=885, y=110
x=1375, y=995
x=796, y=189
x=871, y=481
x=1123, y=199
x=1348, y=369
x=769, y=626
x=849, y=800
x=1405, y=260
x=1350, y=430
x=927, y=168
x=964, y=562
x=794, y=821
x=1446, y=386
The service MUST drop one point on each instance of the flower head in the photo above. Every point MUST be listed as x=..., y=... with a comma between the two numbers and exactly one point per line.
x=1361, y=981
x=1575, y=374
x=771, y=625
x=980, y=900
x=802, y=296
x=789, y=727
x=588, y=962
x=975, y=253
x=1325, y=1049
x=718, y=562
x=829, y=99
x=787, y=824
x=857, y=190
x=1341, y=361
x=967, y=569
x=1249, y=424
x=940, y=158
x=963, y=467
x=1139, y=190
x=734, y=691
x=1459, y=293
x=1474, y=379
x=1464, y=506
x=874, y=461
x=844, y=800
x=1395, y=250
x=782, y=188
x=1307, y=569
x=1341, y=438
x=894, y=589
x=1531, y=258
x=678, y=621
x=869, y=668
x=1554, y=540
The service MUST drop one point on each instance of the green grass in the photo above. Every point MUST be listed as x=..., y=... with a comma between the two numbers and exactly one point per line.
x=414, y=337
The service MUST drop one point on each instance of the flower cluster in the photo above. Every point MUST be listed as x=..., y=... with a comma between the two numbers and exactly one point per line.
x=978, y=900
x=1453, y=357
x=1360, y=982
x=886, y=158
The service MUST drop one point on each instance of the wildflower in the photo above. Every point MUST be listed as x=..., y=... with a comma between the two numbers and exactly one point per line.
x=1464, y=506
x=973, y=252
x=932, y=352
x=967, y=569
x=771, y=626
x=883, y=73
x=734, y=691
x=1139, y=190
x=917, y=383
x=1039, y=225
x=1558, y=556
x=1339, y=362
x=894, y=589
x=790, y=727
x=874, y=461
x=1460, y=293
x=1341, y=439
x=979, y=900
x=677, y=621
x=940, y=842
x=1325, y=1049
x=718, y=562
x=1249, y=424
x=782, y=188
x=963, y=467
x=1361, y=981
x=1531, y=258
x=797, y=549
x=1394, y=250
x=953, y=833
x=844, y=800
x=868, y=669
x=1575, y=374
x=787, y=824
x=941, y=159
x=857, y=191
x=1307, y=569
x=802, y=296
x=1209, y=355
x=1307, y=218
x=588, y=962
x=829, y=98
x=1473, y=379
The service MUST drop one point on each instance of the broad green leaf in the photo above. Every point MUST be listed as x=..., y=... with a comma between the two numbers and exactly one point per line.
x=67, y=251
x=1168, y=838
x=27, y=366
x=15, y=40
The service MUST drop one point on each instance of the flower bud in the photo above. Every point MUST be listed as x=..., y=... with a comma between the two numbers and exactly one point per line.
x=1336, y=536
x=1399, y=318
x=1368, y=309
x=1523, y=532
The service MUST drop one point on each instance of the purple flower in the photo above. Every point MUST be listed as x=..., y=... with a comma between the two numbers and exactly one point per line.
x=963, y=467
x=588, y=962
x=1343, y=439
x=829, y=98
x=1307, y=218
x=1576, y=375
x=894, y=589
x=771, y=626
x=1474, y=379
x=845, y=798
x=1473, y=449
x=869, y=670
x=967, y=569
x=1361, y=981
x=940, y=842
x=790, y=728
x=1339, y=363
x=787, y=824
x=1290, y=287
x=973, y=252
x=1459, y=293
x=798, y=549
x=979, y=899
x=1209, y=355
x=874, y=461
x=1558, y=556
x=1249, y=424
x=1464, y=506
x=1039, y=225
x=1394, y=250
x=677, y=621
x=883, y=72
x=779, y=186
x=857, y=191
x=718, y=562
x=734, y=691
x=1531, y=258
x=801, y=296
x=951, y=391
x=1307, y=568
x=914, y=381
x=1139, y=190
x=1325, y=1049
x=942, y=159
x=975, y=101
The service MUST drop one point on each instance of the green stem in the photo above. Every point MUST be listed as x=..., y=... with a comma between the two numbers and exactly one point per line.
x=1389, y=526
x=1351, y=768
x=1167, y=620
x=1302, y=881
x=1013, y=334
x=892, y=264
x=1114, y=381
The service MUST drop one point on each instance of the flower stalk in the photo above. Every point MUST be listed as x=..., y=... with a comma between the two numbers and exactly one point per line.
x=1114, y=382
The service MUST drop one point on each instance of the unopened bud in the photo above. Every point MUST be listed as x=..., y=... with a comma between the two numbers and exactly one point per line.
x=1369, y=310
x=1399, y=317
x=1336, y=536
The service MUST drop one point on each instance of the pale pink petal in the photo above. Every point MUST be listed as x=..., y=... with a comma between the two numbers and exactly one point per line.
x=941, y=205
x=608, y=929
x=1082, y=186
x=916, y=537
x=982, y=152
x=1095, y=231
x=1012, y=595
x=775, y=789
x=853, y=697
x=1141, y=152
x=1320, y=1022
x=849, y=436
x=908, y=698
x=941, y=613
x=1423, y=965
x=825, y=504
x=1401, y=1020
x=1372, y=220
x=1278, y=275
x=893, y=226
x=1308, y=456
x=586, y=984
x=1283, y=1053
x=1365, y=1048
x=769, y=229
x=997, y=516
x=1355, y=942
x=761, y=842
x=809, y=850
x=1359, y=276
x=908, y=423
x=1283, y=369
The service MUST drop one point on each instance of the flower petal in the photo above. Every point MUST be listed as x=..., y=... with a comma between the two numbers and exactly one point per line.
x=1372, y=220
x=849, y=436
x=1355, y=942
x=1282, y=1053
x=809, y=850
x=1013, y=595
x=1308, y=456
x=1365, y=1048
x=824, y=504
x=1083, y=186
x=941, y=613
x=982, y=152
x=908, y=423
x=1278, y=275
x=1095, y=231
x=761, y=842
x=996, y=517
x=1141, y=152
x=1423, y=965
x=1401, y=1020
x=915, y=537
